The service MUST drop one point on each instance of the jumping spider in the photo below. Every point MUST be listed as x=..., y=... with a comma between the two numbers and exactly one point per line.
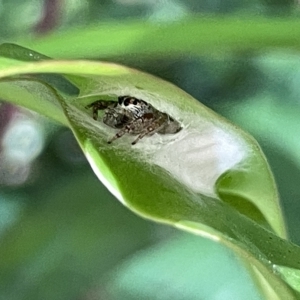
x=134, y=116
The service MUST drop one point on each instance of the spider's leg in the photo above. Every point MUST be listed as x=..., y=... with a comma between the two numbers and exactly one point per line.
x=120, y=133
x=149, y=130
x=133, y=127
x=139, y=137
x=100, y=105
x=95, y=112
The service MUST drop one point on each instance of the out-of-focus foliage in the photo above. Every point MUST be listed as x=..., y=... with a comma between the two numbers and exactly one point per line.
x=178, y=255
x=59, y=242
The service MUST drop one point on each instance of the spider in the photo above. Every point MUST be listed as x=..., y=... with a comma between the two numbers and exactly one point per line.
x=134, y=116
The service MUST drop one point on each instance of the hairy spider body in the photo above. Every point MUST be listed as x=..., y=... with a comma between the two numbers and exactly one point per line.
x=134, y=116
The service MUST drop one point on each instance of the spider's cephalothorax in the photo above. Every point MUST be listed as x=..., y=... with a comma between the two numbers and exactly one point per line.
x=134, y=116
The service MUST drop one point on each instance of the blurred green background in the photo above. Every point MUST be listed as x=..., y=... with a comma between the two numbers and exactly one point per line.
x=62, y=235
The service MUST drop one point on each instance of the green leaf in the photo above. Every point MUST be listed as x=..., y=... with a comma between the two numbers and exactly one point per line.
x=185, y=180
x=117, y=80
x=36, y=96
x=18, y=52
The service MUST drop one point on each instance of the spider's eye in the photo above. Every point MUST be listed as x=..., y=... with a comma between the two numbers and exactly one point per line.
x=130, y=100
x=121, y=99
x=126, y=102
